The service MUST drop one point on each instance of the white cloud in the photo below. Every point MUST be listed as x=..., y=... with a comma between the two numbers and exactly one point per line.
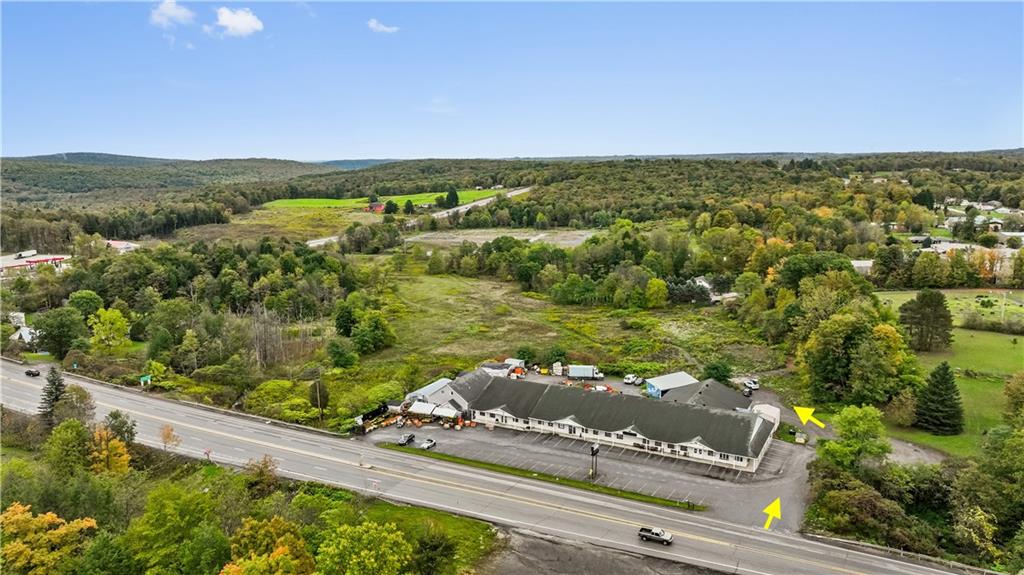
x=379, y=27
x=168, y=14
x=190, y=46
x=239, y=23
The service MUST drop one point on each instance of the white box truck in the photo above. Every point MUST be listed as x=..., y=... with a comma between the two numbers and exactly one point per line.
x=584, y=372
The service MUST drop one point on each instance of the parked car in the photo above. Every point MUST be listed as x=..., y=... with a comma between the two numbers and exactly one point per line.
x=428, y=444
x=747, y=392
x=630, y=379
x=752, y=384
x=655, y=534
x=406, y=439
x=32, y=372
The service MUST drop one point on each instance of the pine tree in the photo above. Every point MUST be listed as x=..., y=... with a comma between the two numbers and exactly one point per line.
x=928, y=321
x=452, y=200
x=53, y=391
x=939, y=409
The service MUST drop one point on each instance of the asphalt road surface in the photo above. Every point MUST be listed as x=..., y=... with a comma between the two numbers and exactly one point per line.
x=483, y=202
x=514, y=502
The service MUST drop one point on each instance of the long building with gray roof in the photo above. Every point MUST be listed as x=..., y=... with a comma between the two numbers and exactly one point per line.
x=736, y=439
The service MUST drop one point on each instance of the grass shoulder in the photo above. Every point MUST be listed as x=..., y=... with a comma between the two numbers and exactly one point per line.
x=575, y=483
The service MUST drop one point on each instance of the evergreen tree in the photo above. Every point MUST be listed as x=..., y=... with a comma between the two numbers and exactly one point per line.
x=53, y=391
x=939, y=409
x=344, y=318
x=928, y=321
x=409, y=208
x=452, y=199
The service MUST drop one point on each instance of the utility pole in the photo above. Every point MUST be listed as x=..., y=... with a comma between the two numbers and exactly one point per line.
x=594, y=450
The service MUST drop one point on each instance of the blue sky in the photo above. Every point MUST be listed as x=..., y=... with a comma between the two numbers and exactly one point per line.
x=318, y=81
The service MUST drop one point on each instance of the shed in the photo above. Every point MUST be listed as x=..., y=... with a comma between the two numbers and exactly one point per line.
x=656, y=386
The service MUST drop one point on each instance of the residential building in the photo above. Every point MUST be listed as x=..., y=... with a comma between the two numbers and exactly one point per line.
x=122, y=247
x=862, y=267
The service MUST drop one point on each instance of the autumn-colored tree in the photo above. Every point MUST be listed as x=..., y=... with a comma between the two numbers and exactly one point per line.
x=41, y=544
x=168, y=438
x=256, y=542
x=279, y=562
x=108, y=454
x=367, y=548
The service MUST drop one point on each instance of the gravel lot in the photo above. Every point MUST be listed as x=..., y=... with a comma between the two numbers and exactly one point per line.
x=731, y=495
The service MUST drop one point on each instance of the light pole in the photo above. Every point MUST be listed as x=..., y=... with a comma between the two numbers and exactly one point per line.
x=594, y=450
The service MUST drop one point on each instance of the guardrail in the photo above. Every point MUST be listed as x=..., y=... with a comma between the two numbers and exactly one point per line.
x=916, y=557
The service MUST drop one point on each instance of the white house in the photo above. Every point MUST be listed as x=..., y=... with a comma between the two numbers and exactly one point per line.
x=24, y=334
x=732, y=439
x=862, y=267
x=716, y=297
x=122, y=247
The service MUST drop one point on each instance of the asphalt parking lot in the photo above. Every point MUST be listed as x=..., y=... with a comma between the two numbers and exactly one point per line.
x=612, y=382
x=731, y=495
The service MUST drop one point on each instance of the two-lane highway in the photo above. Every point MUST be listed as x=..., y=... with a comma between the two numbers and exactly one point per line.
x=541, y=507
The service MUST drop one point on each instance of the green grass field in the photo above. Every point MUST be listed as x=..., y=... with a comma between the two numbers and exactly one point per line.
x=465, y=196
x=280, y=222
x=982, y=360
x=963, y=300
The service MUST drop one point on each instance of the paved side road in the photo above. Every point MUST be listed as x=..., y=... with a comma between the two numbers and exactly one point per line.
x=730, y=495
x=483, y=202
x=514, y=502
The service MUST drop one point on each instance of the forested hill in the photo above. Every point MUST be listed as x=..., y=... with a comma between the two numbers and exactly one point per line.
x=87, y=173
x=96, y=159
x=357, y=164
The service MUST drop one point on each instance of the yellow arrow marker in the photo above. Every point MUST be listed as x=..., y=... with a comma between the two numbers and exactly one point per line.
x=807, y=414
x=774, y=511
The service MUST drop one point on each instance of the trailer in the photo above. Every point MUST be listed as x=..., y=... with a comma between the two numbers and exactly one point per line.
x=584, y=372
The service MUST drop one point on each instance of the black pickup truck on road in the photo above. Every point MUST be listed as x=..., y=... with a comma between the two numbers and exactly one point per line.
x=654, y=534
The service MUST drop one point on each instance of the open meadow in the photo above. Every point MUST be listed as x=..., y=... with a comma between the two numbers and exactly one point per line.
x=287, y=223
x=991, y=303
x=982, y=361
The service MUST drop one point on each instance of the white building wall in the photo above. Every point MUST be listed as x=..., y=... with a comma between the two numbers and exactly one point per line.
x=626, y=439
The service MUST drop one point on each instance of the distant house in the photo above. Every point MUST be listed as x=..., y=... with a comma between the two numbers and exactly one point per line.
x=862, y=267
x=716, y=296
x=122, y=247
x=25, y=334
x=658, y=386
x=375, y=207
x=879, y=180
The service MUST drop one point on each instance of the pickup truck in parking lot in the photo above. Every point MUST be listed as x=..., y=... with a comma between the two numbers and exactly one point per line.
x=655, y=534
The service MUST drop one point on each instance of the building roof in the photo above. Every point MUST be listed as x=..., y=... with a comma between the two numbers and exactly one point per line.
x=672, y=380
x=733, y=432
x=430, y=388
x=709, y=393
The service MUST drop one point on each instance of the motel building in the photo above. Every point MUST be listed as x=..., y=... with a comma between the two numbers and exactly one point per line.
x=734, y=439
